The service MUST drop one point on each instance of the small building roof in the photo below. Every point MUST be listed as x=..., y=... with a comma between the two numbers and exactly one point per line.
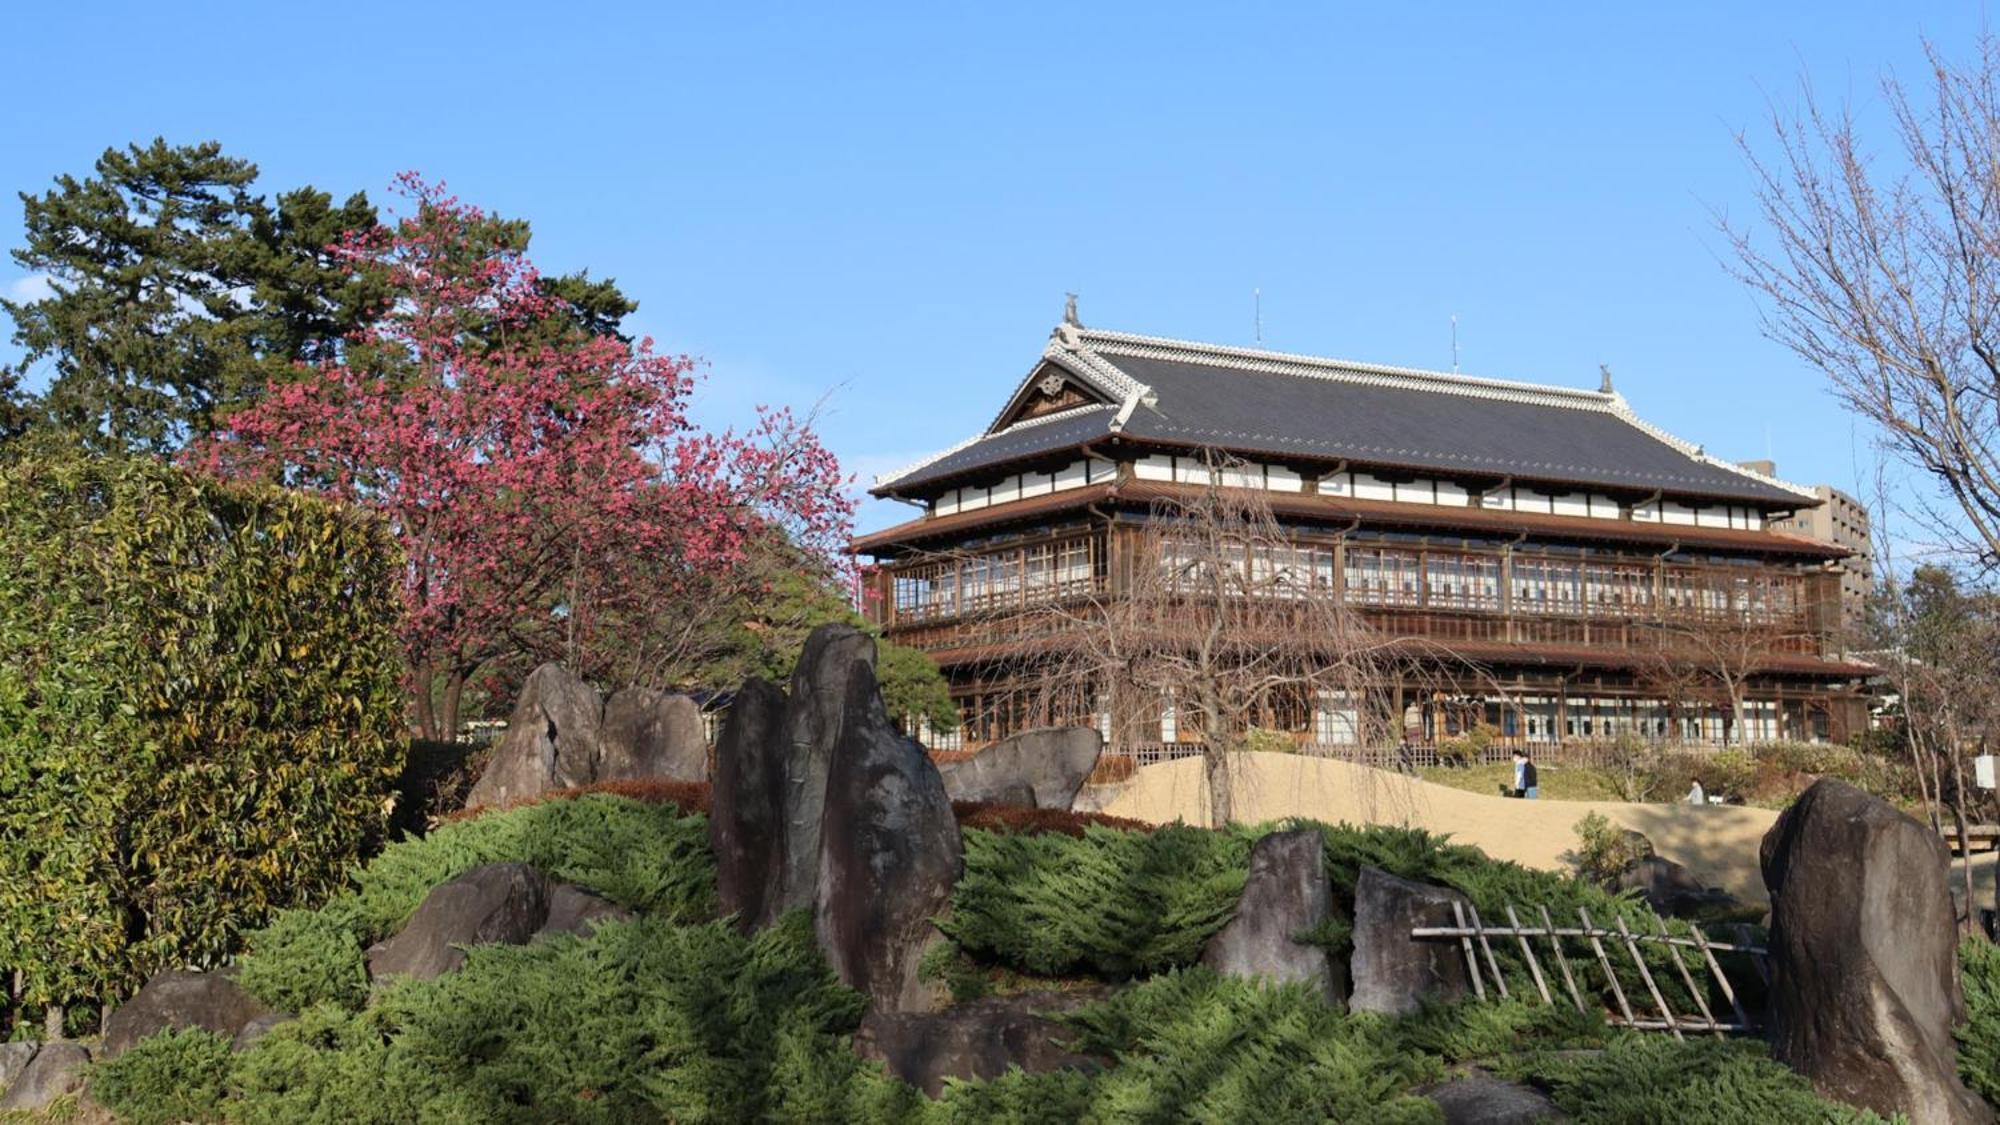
x=1177, y=393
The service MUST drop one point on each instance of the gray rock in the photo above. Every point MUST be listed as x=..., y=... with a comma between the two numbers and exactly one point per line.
x=1666, y=886
x=1864, y=974
x=1393, y=972
x=889, y=854
x=257, y=1029
x=1478, y=1098
x=573, y=910
x=57, y=1069
x=813, y=719
x=502, y=903
x=14, y=1058
x=651, y=734
x=176, y=1000
x=551, y=740
x=1286, y=895
x=1051, y=764
x=746, y=819
x=976, y=1040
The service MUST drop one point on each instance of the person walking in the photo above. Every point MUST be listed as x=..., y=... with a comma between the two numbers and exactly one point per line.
x=1524, y=776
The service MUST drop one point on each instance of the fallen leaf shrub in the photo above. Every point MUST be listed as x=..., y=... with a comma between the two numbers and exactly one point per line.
x=985, y=817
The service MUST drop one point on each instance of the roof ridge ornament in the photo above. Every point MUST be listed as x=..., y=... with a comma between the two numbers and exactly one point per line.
x=1604, y=384
x=1069, y=311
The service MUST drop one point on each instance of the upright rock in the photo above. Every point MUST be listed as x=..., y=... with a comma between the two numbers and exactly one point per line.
x=57, y=1069
x=1392, y=971
x=1050, y=764
x=1864, y=973
x=177, y=1000
x=551, y=740
x=746, y=819
x=498, y=903
x=573, y=910
x=1286, y=896
x=812, y=726
x=651, y=734
x=889, y=854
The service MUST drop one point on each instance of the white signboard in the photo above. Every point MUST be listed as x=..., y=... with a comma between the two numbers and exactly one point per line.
x=1982, y=771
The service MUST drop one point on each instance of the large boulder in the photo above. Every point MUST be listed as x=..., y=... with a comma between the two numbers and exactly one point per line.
x=889, y=854
x=551, y=740
x=1864, y=976
x=505, y=903
x=57, y=1069
x=1050, y=765
x=813, y=722
x=1478, y=1098
x=1673, y=890
x=651, y=734
x=746, y=817
x=177, y=1000
x=1393, y=972
x=980, y=1039
x=1286, y=896
x=573, y=910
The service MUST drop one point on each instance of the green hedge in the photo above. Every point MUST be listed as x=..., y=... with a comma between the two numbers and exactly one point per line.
x=651, y=858
x=199, y=714
x=1979, y=1038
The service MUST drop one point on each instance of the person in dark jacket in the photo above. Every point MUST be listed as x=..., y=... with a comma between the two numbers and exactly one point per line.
x=1524, y=776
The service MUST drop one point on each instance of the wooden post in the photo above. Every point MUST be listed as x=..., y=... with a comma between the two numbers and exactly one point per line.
x=1465, y=943
x=1534, y=967
x=1722, y=979
x=1646, y=974
x=1479, y=928
x=1604, y=962
x=1687, y=978
x=1562, y=962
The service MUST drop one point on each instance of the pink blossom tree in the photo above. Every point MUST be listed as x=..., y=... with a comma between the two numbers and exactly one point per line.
x=542, y=475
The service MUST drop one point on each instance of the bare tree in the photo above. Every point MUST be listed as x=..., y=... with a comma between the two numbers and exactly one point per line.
x=1710, y=657
x=1220, y=617
x=1884, y=273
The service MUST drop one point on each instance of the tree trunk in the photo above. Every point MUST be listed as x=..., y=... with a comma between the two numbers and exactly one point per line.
x=1970, y=925
x=1221, y=794
x=422, y=680
x=1736, y=705
x=454, y=696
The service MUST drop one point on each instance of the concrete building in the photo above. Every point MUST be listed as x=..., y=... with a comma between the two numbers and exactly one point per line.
x=1842, y=520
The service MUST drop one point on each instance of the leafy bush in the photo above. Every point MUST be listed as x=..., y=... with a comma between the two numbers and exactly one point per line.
x=650, y=857
x=199, y=714
x=1979, y=1037
x=1604, y=850
x=166, y=1078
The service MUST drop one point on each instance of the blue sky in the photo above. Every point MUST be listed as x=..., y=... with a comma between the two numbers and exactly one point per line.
x=883, y=206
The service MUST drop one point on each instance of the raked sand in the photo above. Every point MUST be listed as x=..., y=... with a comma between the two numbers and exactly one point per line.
x=1717, y=842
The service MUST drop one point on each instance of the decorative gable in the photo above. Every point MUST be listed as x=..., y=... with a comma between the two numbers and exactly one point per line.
x=1048, y=390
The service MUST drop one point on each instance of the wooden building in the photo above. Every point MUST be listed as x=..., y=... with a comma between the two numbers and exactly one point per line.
x=1544, y=535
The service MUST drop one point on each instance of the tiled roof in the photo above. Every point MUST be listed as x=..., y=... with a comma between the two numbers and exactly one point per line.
x=1250, y=402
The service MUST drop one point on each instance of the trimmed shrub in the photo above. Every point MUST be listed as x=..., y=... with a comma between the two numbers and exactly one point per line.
x=645, y=1020
x=1979, y=1037
x=199, y=714
x=1641, y=1079
x=166, y=1078
x=652, y=858
x=1033, y=822
x=1112, y=903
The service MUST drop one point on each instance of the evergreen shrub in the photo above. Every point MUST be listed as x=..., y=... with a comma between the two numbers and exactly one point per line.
x=199, y=714
x=1979, y=1036
x=651, y=858
x=170, y=1077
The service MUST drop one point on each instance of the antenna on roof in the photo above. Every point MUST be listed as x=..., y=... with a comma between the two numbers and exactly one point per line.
x=1454, y=343
x=1257, y=301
